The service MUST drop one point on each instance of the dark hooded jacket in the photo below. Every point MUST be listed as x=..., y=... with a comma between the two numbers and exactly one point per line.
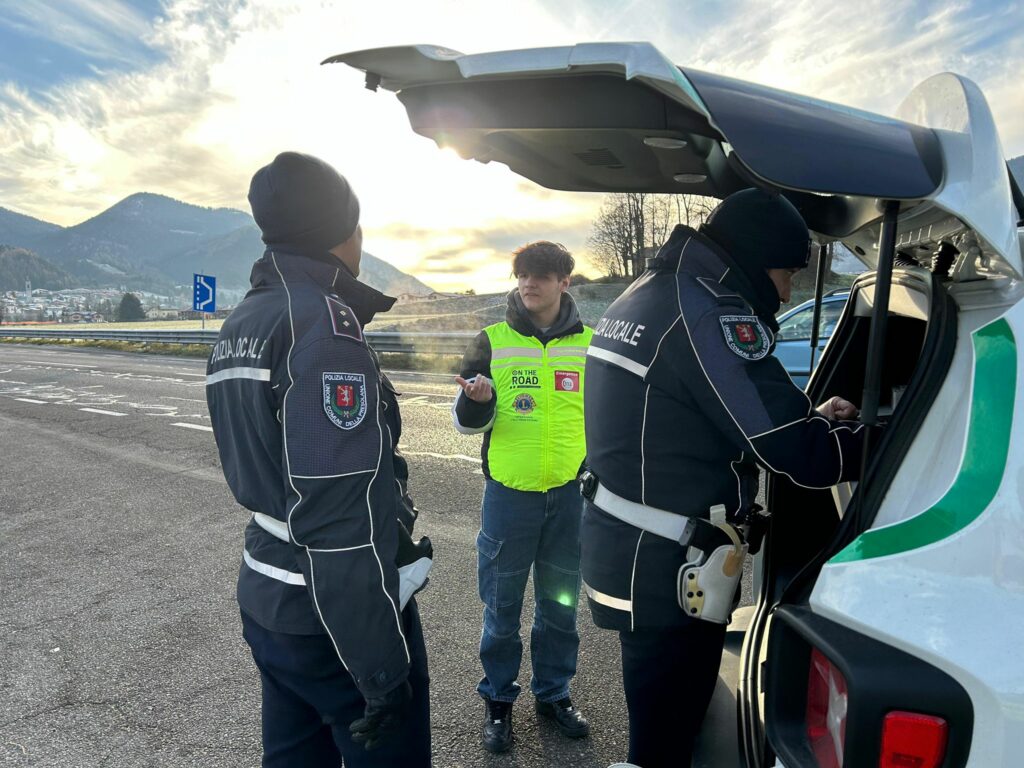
x=307, y=428
x=684, y=402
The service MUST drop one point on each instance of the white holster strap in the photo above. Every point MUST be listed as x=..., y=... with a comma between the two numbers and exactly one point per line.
x=660, y=522
x=271, y=525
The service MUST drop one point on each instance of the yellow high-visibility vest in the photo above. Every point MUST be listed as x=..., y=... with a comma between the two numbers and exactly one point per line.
x=537, y=441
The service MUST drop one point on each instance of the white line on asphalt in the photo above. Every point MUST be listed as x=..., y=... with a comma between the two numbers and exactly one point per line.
x=51, y=362
x=458, y=456
x=30, y=400
x=192, y=426
x=100, y=410
x=200, y=375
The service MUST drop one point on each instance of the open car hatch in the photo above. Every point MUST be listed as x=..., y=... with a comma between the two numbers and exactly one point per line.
x=620, y=117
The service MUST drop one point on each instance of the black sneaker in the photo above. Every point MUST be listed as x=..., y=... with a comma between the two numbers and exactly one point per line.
x=570, y=721
x=497, y=732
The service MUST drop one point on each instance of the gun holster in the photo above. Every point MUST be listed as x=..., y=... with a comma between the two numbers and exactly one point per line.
x=706, y=583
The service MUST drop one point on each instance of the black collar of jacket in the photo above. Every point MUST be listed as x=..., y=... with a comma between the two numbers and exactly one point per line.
x=567, y=323
x=328, y=273
x=713, y=262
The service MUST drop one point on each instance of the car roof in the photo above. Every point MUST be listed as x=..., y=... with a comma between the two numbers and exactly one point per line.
x=829, y=298
x=545, y=113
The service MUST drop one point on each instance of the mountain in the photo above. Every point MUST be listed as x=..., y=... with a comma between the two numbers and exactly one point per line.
x=231, y=257
x=135, y=240
x=152, y=242
x=18, y=265
x=1017, y=168
x=18, y=229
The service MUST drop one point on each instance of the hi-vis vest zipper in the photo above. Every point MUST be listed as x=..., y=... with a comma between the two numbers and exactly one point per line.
x=537, y=441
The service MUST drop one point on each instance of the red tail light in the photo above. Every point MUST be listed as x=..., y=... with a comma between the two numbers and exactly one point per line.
x=826, y=711
x=910, y=740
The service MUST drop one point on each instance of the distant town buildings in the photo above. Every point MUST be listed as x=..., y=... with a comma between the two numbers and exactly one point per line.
x=89, y=305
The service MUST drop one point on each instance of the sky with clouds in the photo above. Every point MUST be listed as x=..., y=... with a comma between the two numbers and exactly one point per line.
x=103, y=98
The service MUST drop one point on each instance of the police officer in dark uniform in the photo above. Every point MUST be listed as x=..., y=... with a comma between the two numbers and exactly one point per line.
x=684, y=403
x=307, y=427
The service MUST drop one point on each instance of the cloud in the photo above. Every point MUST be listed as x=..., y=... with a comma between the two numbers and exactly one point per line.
x=103, y=29
x=229, y=84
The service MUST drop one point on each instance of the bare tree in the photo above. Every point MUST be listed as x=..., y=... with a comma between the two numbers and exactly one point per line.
x=632, y=225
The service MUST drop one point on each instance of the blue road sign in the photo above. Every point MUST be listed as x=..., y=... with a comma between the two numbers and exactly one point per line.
x=204, y=293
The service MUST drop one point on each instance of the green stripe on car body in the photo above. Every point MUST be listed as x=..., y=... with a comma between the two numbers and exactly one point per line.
x=984, y=461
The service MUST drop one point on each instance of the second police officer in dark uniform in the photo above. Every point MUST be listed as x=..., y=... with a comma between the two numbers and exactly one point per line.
x=307, y=427
x=684, y=402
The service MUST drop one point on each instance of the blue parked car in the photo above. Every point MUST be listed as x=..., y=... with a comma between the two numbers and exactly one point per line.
x=793, y=347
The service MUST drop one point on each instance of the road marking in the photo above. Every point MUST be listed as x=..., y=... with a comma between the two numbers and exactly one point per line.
x=457, y=456
x=101, y=411
x=192, y=426
x=30, y=400
x=200, y=375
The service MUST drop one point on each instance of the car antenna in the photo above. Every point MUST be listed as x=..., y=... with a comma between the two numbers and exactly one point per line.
x=876, y=337
x=824, y=251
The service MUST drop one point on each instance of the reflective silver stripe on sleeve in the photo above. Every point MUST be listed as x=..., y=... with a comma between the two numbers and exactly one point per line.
x=502, y=353
x=288, y=577
x=271, y=525
x=239, y=372
x=615, y=359
x=607, y=600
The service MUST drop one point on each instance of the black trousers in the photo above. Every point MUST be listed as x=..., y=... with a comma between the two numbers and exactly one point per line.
x=310, y=699
x=669, y=675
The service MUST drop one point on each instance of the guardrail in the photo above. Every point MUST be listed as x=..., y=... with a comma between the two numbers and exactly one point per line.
x=451, y=343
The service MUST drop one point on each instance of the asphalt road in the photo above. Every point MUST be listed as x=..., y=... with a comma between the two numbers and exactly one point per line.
x=121, y=642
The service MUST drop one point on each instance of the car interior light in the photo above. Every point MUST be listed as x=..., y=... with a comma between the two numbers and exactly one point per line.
x=664, y=142
x=913, y=740
x=825, y=717
x=690, y=178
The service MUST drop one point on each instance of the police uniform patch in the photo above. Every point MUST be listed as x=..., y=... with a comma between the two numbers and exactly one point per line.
x=345, y=399
x=745, y=336
x=343, y=320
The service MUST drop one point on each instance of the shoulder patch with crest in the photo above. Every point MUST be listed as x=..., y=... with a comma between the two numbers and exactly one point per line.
x=745, y=336
x=343, y=320
x=345, y=399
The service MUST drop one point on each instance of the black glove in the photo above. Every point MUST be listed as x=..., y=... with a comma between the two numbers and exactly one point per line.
x=382, y=717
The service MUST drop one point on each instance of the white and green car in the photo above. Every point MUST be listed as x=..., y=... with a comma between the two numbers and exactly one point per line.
x=889, y=611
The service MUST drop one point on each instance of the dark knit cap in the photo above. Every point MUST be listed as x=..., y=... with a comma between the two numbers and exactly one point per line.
x=760, y=230
x=302, y=204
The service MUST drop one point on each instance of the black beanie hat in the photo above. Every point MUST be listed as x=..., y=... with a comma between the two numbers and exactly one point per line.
x=302, y=204
x=760, y=230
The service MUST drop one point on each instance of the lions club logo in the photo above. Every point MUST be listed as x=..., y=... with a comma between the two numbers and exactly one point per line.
x=524, y=403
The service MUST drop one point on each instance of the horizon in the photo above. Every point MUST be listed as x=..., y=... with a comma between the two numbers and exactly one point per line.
x=109, y=98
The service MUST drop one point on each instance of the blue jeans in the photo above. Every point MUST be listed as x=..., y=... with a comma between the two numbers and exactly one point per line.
x=520, y=530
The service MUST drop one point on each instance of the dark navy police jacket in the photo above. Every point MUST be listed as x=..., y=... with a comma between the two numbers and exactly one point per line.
x=307, y=427
x=684, y=401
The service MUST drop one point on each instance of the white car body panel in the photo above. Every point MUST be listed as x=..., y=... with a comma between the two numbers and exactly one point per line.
x=957, y=603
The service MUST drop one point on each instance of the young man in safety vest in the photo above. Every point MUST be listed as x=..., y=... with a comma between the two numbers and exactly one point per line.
x=522, y=386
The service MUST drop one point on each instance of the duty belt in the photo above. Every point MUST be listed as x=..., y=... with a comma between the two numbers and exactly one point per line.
x=272, y=525
x=682, y=529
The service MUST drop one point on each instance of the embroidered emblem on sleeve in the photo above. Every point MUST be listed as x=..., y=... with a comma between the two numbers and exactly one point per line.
x=345, y=399
x=745, y=336
x=343, y=320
